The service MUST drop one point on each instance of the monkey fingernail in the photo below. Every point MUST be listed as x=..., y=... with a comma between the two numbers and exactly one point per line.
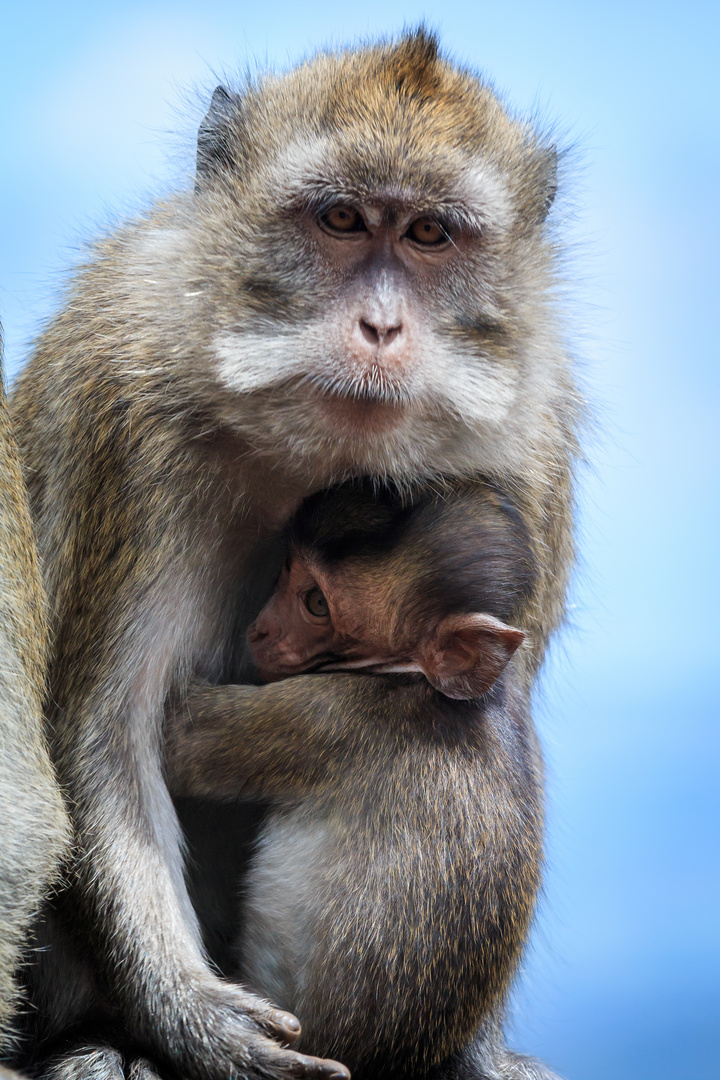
x=333, y=1070
x=286, y=1022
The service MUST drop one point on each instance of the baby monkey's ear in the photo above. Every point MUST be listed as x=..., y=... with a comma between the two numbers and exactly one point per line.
x=465, y=654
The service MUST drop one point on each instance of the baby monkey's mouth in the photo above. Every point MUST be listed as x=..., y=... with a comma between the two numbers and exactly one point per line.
x=323, y=662
x=369, y=665
x=329, y=662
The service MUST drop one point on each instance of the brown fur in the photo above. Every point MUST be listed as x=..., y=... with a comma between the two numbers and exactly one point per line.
x=171, y=420
x=35, y=830
x=394, y=882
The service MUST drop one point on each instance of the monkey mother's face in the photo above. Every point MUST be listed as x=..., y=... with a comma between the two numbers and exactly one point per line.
x=370, y=249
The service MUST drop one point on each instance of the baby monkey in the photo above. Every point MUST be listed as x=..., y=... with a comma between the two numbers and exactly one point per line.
x=394, y=881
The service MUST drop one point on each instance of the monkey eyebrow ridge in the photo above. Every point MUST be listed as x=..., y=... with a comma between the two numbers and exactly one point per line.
x=397, y=205
x=465, y=194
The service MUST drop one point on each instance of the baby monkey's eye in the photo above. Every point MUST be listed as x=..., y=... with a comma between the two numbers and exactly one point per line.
x=316, y=603
x=427, y=231
x=343, y=219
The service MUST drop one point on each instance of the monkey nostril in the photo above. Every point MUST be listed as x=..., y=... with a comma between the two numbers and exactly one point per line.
x=369, y=332
x=379, y=335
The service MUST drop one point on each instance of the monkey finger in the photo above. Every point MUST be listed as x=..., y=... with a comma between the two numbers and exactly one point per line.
x=282, y=1024
x=288, y=1063
x=322, y=1068
x=279, y=1023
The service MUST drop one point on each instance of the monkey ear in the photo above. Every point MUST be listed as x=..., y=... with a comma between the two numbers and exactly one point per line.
x=465, y=654
x=213, y=145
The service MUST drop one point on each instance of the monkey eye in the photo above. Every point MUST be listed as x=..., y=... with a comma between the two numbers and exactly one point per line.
x=343, y=219
x=428, y=232
x=316, y=604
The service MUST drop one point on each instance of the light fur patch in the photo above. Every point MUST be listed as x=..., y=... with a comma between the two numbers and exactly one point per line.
x=280, y=905
x=476, y=192
x=467, y=386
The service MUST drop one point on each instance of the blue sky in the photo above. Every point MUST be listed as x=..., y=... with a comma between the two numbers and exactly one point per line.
x=99, y=106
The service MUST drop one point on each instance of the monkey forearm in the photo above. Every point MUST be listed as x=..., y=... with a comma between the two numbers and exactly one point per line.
x=283, y=738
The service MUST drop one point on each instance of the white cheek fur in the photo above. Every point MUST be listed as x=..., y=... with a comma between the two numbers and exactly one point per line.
x=460, y=382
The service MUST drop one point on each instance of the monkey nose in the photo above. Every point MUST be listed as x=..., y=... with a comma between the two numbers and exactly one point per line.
x=379, y=333
x=254, y=634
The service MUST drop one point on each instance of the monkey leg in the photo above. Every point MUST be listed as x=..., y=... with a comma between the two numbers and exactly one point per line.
x=519, y=1067
x=94, y=1063
x=87, y=1063
x=98, y=1063
x=487, y=1058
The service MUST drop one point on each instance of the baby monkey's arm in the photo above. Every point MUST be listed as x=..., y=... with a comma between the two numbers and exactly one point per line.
x=281, y=739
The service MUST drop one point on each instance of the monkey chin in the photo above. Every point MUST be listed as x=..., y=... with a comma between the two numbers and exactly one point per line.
x=357, y=416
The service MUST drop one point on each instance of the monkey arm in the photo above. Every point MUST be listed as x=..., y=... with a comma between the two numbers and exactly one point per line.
x=35, y=832
x=280, y=739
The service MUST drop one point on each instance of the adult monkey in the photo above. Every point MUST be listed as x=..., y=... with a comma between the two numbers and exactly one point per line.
x=35, y=831
x=360, y=284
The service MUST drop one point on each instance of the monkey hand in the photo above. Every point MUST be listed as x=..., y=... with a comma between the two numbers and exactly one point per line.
x=220, y=1030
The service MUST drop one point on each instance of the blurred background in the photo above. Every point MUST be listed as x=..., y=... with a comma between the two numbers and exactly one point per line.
x=99, y=105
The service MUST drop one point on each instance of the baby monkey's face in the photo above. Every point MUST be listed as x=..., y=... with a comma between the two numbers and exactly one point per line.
x=346, y=617
x=322, y=618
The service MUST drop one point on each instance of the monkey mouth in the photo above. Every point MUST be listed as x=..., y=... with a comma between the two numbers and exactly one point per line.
x=360, y=416
x=278, y=671
x=326, y=662
x=369, y=665
x=364, y=405
x=373, y=385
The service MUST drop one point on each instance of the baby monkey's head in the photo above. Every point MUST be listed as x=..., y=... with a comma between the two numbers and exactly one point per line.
x=374, y=584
